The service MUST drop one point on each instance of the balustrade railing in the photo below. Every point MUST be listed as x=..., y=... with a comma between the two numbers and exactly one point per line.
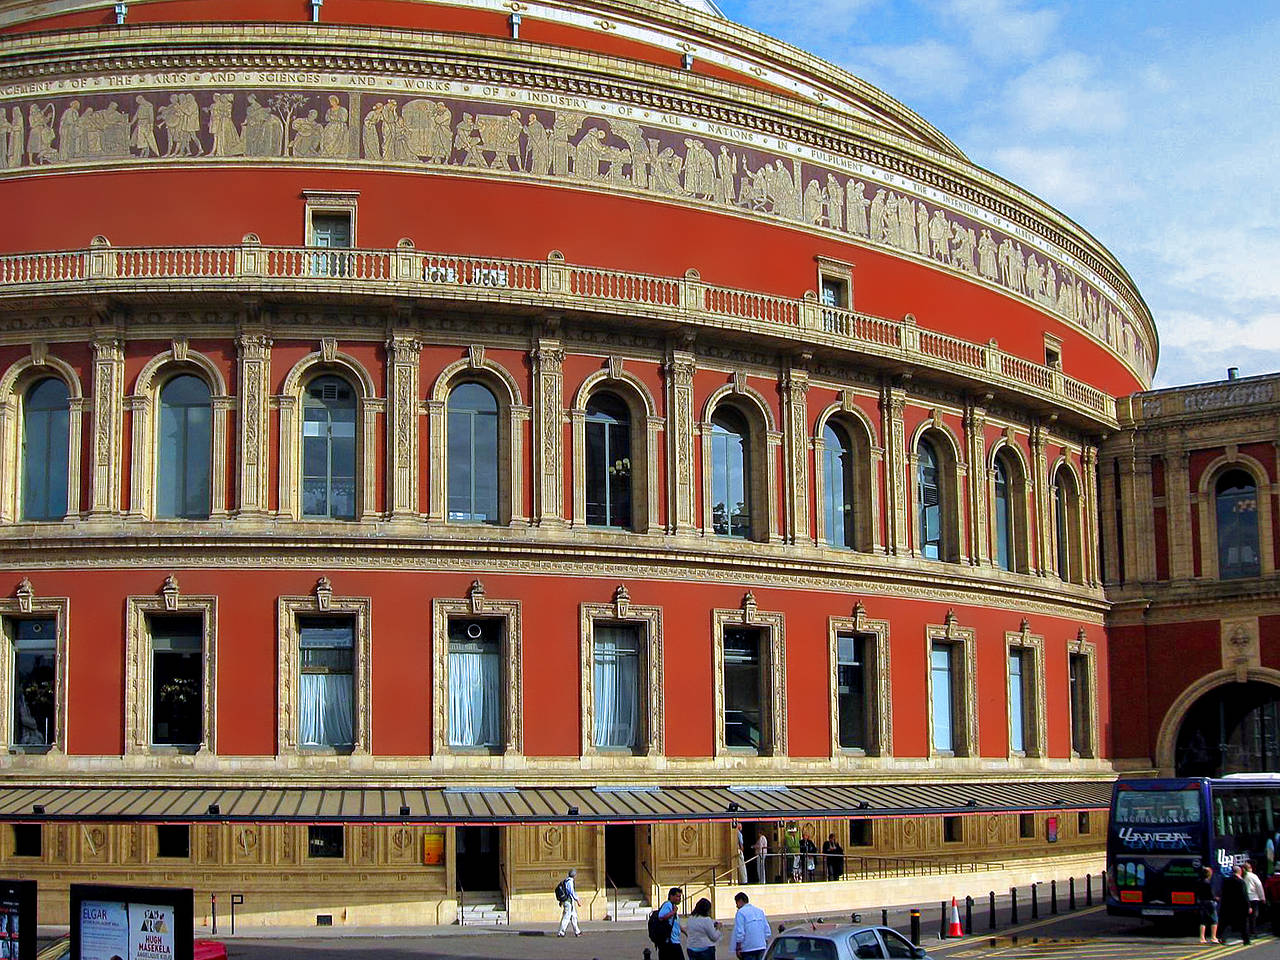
x=426, y=274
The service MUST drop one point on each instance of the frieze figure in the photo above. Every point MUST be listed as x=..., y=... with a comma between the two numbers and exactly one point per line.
x=41, y=136
x=429, y=127
x=814, y=207
x=369, y=133
x=263, y=131
x=963, y=243
x=334, y=135
x=666, y=172
x=699, y=170
x=227, y=140
x=538, y=139
x=69, y=137
x=588, y=154
x=878, y=215
x=500, y=135
x=907, y=223
x=940, y=235
x=855, y=194
x=640, y=152
x=5, y=129
x=833, y=198
x=785, y=189
x=987, y=256
x=467, y=139
x=566, y=125
x=105, y=133
x=395, y=135
x=144, y=127
x=306, y=135
x=180, y=119
x=922, y=228
x=17, y=142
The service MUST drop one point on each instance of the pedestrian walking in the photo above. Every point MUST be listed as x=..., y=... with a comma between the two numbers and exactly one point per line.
x=702, y=932
x=741, y=865
x=1257, y=896
x=664, y=927
x=750, y=930
x=834, y=854
x=569, y=903
x=1207, y=900
x=1233, y=912
x=762, y=857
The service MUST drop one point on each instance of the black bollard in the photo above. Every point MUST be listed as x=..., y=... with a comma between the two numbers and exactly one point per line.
x=968, y=914
x=942, y=921
x=991, y=910
x=648, y=954
x=1053, y=896
x=884, y=917
x=915, y=927
x=213, y=910
x=1035, y=903
x=1071, y=893
x=1013, y=906
x=1088, y=889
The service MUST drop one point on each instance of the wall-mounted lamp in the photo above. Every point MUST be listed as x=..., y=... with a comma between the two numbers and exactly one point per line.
x=404, y=809
x=122, y=11
x=514, y=21
x=215, y=810
x=733, y=806
x=687, y=60
x=315, y=10
x=38, y=809
x=573, y=811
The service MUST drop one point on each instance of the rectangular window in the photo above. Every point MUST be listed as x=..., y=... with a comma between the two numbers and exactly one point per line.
x=744, y=690
x=35, y=681
x=1083, y=827
x=333, y=232
x=475, y=683
x=1081, y=718
x=1019, y=674
x=851, y=690
x=835, y=292
x=861, y=833
x=952, y=829
x=28, y=840
x=325, y=842
x=326, y=698
x=1027, y=826
x=173, y=841
x=617, y=676
x=944, y=711
x=177, y=679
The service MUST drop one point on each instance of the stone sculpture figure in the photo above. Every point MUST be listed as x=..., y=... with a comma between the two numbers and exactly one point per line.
x=855, y=194
x=641, y=158
x=70, y=144
x=4, y=139
x=333, y=137
x=987, y=256
x=813, y=204
x=467, y=139
x=227, y=140
x=500, y=135
x=307, y=132
x=1032, y=278
x=395, y=135
x=922, y=228
x=666, y=172
x=588, y=153
x=940, y=235
x=538, y=139
x=369, y=133
x=566, y=125
x=144, y=127
x=180, y=119
x=891, y=231
x=834, y=198
x=105, y=133
x=878, y=204
x=17, y=141
x=40, y=136
x=907, y=222
x=263, y=131
x=963, y=243
x=699, y=170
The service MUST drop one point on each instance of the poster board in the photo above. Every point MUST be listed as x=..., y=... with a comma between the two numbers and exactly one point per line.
x=131, y=923
x=17, y=920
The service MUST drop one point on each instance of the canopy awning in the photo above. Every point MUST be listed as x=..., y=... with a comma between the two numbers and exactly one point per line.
x=498, y=805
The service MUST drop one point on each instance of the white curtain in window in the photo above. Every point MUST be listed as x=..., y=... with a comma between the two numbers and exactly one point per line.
x=325, y=715
x=475, y=694
x=617, y=689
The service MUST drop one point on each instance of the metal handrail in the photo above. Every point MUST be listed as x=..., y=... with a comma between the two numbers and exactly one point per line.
x=616, y=898
x=462, y=902
x=503, y=891
x=407, y=271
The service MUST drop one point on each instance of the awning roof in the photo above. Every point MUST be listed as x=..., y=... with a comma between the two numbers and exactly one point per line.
x=495, y=805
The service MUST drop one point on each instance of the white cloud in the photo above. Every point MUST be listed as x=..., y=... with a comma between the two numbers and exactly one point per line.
x=1067, y=177
x=1064, y=93
x=1004, y=30
x=811, y=24
x=929, y=68
x=1235, y=266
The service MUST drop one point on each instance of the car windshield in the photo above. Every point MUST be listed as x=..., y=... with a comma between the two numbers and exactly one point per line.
x=802, y=948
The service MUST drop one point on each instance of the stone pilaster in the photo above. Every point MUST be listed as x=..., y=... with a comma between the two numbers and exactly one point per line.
x=795, y=401
x=1110, y=532
x=108, y=425
x=1139, y=518
x=1089, y=467
x=548, y=433
x=679, y=371
x=253, y=360
x=1177, y=498
x=893, y=404
x=403, y=354
x=975, y=423
x=1042, y=521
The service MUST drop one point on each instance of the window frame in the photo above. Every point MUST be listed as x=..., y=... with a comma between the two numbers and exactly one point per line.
x=472, y=466
x=329, y=203
x=774, y=668
x=649, y=618
x=608, y=425
x=955, y=821
x=964, y=696
x=139, y=679
x=764, y=442
x=477, y=606
x=1010, y=457
x=341, y=855
x=880, y=713
x=158, y=440
x=24, y=460
x=646, y=460
x=307, y=402
x=24, y=605
x=1217, y=494
x=1034, y=693
x=838, y=272
x=322, y=603
x=17, y=380
x=1082, y=647
x=21, y=828
x=1066, y=506
x=950, y=472
x=159, y=844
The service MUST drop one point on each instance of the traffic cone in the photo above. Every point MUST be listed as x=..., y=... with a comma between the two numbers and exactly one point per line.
x=954, y=929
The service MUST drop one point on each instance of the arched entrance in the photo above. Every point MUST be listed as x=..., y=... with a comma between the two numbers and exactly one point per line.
x=1234, y=728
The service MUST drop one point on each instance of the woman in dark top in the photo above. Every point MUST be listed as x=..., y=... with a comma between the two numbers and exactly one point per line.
x=1208, y=906
x=1234, y=912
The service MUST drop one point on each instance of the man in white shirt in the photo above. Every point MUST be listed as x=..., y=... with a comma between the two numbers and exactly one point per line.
x=569, y=906
x=1257, y=895
x=741, y=865
x=762, y=857
x=750, y=930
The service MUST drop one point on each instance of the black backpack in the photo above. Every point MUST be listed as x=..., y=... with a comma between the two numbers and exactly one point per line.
x=562, y=892
x=660, y=928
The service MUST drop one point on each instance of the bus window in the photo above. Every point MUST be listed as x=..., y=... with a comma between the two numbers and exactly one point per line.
x=1157, y=806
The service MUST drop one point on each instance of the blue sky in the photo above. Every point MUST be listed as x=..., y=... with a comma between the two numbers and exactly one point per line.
x=1154, y=124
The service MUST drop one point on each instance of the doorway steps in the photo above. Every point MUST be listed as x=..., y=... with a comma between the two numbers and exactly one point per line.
x=484, y=908
x=632, y=904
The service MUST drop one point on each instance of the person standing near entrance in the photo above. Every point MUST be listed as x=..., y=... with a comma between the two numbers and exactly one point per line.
x=569, y=903
x=1257, y=896
x=1234, y=911
x=750, y=930
x=741, y=865
x=702, y=932
x=762, y=857
x=1208, y=903
x=834, y=855
x=670, y=948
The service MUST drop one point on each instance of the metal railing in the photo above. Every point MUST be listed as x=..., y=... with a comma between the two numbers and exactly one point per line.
x=610, y=885
x=406, y=271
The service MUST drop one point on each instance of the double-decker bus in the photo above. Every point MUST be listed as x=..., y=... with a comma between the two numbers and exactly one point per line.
x=1162, y=832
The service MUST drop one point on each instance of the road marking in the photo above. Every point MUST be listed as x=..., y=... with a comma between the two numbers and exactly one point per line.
x=1107, y=949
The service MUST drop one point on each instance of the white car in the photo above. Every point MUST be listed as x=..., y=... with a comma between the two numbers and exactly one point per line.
x=844, y=943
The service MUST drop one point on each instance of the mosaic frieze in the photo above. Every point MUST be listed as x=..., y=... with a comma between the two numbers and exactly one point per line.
x=720, y=166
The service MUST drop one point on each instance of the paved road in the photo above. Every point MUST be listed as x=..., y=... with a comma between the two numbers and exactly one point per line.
x=1085, y=935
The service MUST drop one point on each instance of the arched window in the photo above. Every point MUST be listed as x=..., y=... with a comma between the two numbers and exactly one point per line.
x=1236, y=504
x=329, y=449
x=45, y=447
x=838, y=487
x=730, y=480
x=185, y=449
x=608, y=462
x=1066, y=526
x=1002, y=507
x=473, y=454
x=929, y=501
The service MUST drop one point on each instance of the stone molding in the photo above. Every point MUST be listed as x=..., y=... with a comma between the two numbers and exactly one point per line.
x=774, y=654
x=964, y=687
x=24, y=603
x=879, y=717
x=1035, y=731
x=653, y=668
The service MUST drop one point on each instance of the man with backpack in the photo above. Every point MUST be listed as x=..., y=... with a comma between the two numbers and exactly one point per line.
x=567, y=897
x=664, y=927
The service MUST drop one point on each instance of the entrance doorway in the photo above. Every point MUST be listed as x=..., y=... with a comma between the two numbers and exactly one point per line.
x=750, y=831
x=1232, y=729
x=478, y=858
x=620, y=854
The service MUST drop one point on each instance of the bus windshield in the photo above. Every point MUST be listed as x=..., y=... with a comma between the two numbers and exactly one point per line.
x=1158, y=806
